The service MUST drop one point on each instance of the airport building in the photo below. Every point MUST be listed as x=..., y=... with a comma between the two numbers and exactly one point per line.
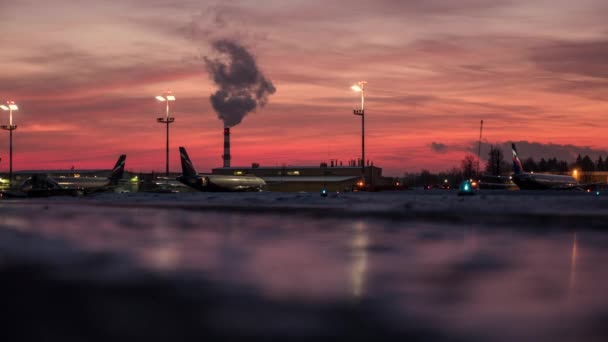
x=20, y=176
x=310, y=178
x=332, y=177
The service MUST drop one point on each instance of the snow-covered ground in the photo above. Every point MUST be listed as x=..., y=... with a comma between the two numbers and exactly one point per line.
x=544, y=209
x=419, y=265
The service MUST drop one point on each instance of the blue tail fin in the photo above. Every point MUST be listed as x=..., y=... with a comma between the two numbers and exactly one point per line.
x=517, y=168
x=118, y=169
x=187, y=167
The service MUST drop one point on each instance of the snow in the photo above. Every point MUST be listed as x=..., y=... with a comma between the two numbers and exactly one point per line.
x=426, y=265
x=528, y=208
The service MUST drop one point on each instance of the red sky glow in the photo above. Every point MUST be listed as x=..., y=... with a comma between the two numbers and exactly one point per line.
x=85, y=73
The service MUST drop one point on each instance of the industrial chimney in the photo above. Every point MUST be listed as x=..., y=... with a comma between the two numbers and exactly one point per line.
x=226, y=155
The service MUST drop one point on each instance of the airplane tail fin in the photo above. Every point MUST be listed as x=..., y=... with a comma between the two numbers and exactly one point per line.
x=517, y=168
x=187, y=167
x=118, y=170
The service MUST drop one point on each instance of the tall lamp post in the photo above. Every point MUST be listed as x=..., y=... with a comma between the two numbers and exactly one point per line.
x=10, y=106
x=166, y=97
x=359, y=87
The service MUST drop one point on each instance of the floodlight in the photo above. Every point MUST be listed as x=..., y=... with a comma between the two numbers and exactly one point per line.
x=166, y=97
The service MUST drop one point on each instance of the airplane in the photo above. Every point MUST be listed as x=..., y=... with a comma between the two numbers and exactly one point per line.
x=43, y=185
x=541, y=181
x=216, y=183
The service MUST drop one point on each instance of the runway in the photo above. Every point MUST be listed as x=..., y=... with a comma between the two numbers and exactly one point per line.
x=421, y=265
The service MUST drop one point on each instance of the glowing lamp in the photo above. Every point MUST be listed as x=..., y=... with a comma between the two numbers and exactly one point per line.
x=324, y=192
x=466, y=189
x=164, y=98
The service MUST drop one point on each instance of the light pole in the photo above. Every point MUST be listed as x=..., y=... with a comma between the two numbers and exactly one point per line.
x=10, y=106
x=479, y=149
x=359, y=87
x=166, y=97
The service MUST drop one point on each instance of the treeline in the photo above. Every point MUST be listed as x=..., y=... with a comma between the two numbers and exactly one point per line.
x=585, y=164
x=451, y=178
x=548, y=165
x=496, y=165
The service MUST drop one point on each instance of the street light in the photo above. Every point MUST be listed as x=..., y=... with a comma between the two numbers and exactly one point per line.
x=10, y=106
x=166, y=97
x=359, y=87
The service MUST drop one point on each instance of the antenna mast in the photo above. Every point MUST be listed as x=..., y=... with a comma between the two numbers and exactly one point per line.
x=479, y=146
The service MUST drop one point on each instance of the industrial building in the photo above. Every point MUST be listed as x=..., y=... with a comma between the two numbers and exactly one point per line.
x=310, y=178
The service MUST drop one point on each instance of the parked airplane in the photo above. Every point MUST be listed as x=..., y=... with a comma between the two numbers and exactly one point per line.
x=209, y=182
x=44, y=185
x=540, y=181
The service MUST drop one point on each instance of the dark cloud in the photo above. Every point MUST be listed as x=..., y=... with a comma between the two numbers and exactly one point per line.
x=441, y=6
x=579, y=58
x=221, y=21
x=397, y=8
x=242, y=86
x=409, y=100
x=69, y=71
x=242, y=21
x=591, y=89
x=537, y=150
x=439, y=147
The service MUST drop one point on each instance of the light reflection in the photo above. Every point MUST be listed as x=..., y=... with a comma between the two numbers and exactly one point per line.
x=164, y=255
x=573, y=257
x=470, y=240
x=359, y=246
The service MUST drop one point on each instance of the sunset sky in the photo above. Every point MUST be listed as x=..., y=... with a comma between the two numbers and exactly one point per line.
x=84, y=74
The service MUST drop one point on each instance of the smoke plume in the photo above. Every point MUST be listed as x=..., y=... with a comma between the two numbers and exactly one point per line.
x=242, y=86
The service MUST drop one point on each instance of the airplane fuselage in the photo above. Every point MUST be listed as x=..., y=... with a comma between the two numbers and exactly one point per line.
x=215, y=183
x=82, y=182
x=537, y=181
x=42, y=185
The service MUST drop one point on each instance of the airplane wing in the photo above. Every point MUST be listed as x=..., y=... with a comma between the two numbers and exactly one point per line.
x=583, y=187
x=594, y=186
x=7, y=194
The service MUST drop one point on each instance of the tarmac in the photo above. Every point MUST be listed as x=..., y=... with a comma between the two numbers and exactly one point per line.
x=416, y=265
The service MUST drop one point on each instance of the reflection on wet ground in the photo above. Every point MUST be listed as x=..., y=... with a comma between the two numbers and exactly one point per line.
x=72, y=272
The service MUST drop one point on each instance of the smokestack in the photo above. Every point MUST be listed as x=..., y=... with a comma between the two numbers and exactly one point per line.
x=226, y=155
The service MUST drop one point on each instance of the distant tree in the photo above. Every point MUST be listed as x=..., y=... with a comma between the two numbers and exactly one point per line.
x=587, y=164
x=496, y=161
x=599, y=165
x=530, y=165
x=543, y=165
x=410, y=179
x=468, y=166
x=454, y=176
x=578, y=162
x=552, y=165
x=426, y=178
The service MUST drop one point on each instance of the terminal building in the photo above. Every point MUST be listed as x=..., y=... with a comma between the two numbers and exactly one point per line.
x=287, y=178
x=310, y=178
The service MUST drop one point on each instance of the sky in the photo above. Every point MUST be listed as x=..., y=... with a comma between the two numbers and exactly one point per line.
x=84, y=74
